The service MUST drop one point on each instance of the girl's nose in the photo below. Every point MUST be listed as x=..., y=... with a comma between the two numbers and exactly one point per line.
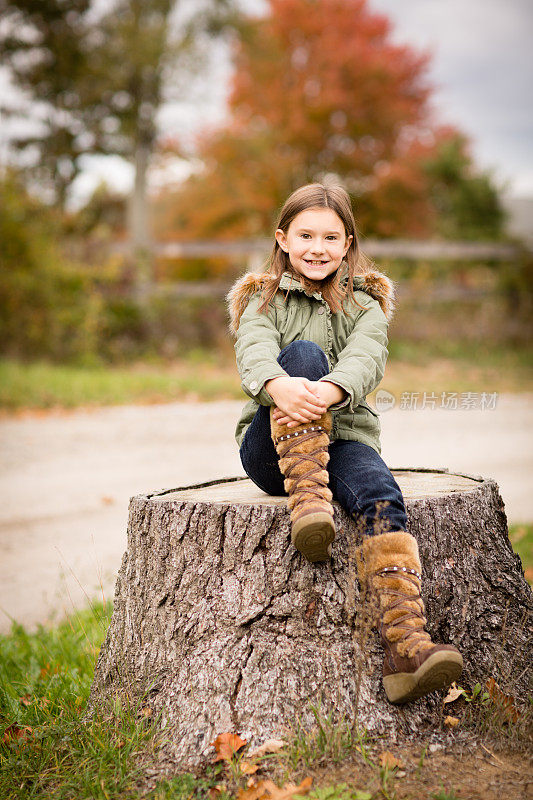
x=317, y=247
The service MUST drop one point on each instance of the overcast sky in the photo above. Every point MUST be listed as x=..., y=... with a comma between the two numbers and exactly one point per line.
x=482, y=69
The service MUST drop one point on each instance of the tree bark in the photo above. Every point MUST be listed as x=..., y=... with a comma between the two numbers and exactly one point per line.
x=223, y=626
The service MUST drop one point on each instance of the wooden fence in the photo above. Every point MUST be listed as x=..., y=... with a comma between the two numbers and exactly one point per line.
x=254, y=250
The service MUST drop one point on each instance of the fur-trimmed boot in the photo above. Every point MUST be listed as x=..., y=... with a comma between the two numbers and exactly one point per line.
x=390, y=575
x=304, y=455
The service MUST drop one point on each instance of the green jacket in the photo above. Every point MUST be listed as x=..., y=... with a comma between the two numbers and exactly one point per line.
x=354, y=341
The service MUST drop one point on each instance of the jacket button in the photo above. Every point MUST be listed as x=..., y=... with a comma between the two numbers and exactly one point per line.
x=321, y=310
x=253, y=385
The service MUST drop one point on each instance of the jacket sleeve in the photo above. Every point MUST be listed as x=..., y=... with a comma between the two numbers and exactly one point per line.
x=257, y=349
x=361, y=363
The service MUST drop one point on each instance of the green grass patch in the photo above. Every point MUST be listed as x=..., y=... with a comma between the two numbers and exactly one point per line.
x=208, y=375
x=46, y=749
x=41, y=385
x=521, y=536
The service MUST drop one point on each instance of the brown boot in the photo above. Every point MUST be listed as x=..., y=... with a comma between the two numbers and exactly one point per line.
x=389, y=570
x=304, y=454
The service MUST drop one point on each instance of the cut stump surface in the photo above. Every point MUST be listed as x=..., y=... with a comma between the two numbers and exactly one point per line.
x=221, y=625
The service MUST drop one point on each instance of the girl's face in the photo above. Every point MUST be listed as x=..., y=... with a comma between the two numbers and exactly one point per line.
x=316, y=242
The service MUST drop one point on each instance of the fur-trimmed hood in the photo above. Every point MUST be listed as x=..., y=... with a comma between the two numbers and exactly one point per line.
x=373, y=282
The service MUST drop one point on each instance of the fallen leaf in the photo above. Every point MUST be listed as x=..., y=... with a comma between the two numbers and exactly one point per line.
x=247, y=769
x=255, y=792
x=25, y=700
x=289, y=790
x=226, y=745
x=504, y=701
x=451, y=722
x=453, y=693
x=16, y=733
x=388, y=761
x=48, y=670
x=146, y=711
x=270, y=746
x=310, y=610
x=44, y=671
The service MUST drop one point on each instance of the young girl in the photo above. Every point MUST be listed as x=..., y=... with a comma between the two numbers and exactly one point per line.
x=311, y=343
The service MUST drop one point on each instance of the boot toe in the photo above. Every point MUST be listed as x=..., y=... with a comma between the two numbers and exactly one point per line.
x=312, y=536
x=442, y=667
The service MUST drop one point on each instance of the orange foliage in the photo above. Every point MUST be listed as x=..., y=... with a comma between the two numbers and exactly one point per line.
x=318, y=88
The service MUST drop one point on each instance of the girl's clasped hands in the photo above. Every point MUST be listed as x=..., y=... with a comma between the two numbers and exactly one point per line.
x=299, y=400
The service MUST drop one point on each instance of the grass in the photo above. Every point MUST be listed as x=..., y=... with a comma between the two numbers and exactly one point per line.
x=329, y=742
x=213, y=376
x=48, y=750
x=41, y=385
x=521, y=536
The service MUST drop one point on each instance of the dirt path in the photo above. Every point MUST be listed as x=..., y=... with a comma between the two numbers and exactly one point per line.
x=66, y=479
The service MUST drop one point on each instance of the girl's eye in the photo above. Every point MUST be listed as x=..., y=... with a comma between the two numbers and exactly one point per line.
x=332, y=236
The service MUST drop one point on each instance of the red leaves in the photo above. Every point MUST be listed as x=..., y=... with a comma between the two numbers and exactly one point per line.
x=388, y=761
x=267, y=790
x=503, y=702
x=226, y=745
x=17, y=733
x=493, y=698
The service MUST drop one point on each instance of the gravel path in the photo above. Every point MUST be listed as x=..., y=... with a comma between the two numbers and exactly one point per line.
x=66, y=479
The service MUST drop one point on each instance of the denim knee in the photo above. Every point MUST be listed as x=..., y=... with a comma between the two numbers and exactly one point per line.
x=303, y=359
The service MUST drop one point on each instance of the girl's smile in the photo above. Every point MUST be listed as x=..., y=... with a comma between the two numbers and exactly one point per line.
x=315, y=242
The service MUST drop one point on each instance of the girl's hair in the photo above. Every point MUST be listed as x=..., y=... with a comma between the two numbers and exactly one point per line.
x=318, y=195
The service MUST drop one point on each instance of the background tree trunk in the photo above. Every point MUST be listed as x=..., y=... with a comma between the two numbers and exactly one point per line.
x=138, y=226
x=223, y=626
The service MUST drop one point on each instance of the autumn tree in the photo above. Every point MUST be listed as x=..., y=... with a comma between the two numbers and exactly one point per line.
x=319, y=87
x=100, y=75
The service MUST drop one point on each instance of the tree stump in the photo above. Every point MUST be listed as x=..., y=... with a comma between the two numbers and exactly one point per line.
x=223, y=626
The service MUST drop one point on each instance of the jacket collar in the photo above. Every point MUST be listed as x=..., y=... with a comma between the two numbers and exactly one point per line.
x=375, y=283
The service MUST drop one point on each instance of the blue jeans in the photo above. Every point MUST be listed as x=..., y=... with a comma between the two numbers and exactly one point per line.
x=358, y=477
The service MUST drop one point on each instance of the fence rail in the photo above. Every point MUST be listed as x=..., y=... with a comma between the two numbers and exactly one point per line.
x=257, y=250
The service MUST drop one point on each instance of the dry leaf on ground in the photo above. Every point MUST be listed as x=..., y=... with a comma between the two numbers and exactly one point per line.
x=254, y=792
x=388, y=761
x=226, y=745
x=270, y=746
x=247, y=769
x=288, y=791
x=16, y=732
x=504, y=701
x=451, y=722
x=453, y=693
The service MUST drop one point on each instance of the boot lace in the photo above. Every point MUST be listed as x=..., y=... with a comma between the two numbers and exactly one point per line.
x=414, y=638
x=300, y=494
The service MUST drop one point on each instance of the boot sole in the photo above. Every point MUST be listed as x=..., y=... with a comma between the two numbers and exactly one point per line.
x=437, y=672
x=312, y=535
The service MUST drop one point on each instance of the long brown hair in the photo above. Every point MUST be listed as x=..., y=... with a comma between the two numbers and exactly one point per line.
x=319, y=195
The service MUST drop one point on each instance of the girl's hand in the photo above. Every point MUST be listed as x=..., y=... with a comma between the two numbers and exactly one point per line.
x=297, y=398
x=328, y=392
